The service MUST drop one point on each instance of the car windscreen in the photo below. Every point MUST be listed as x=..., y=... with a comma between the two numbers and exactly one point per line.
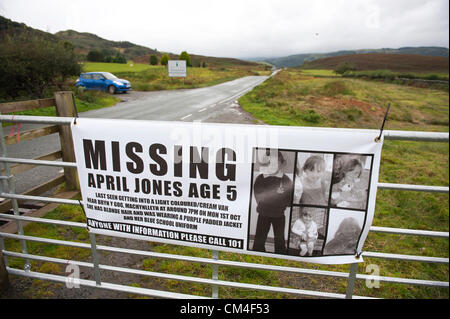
x=109, y=76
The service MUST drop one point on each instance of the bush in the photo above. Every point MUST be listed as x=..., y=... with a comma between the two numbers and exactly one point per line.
x=185, y=56
x=153, y=60
x=95, y=56
x=164, y=59
x=119, y=59
x=344, y=67
x=336, y=88
x=353, y=114
x=32, y=66
x=311, y=116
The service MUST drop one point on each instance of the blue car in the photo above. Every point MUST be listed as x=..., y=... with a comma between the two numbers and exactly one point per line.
x=102, y=81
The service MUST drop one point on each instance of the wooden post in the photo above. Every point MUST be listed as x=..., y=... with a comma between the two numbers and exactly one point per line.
x=65, y=107
x=4, y=280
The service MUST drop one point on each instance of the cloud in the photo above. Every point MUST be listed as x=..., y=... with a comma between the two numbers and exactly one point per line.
x=245, y=28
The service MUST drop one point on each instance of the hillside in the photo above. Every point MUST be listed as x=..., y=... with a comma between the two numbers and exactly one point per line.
x=85, y=42
x=299, y=59
x=9, y=28
x=378, y=61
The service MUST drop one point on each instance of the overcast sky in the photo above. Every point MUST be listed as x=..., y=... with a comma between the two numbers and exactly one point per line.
x=244, y=28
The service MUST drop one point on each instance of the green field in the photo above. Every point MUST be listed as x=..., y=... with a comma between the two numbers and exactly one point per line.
x=117, y=67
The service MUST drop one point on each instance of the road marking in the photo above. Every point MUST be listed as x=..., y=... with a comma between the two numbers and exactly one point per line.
x=202, y=110
x=186, y=116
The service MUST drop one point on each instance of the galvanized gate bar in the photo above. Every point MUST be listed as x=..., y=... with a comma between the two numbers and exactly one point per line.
x=375, y=229
x=388, y=134
x=437, y=189
x=412, y=232
x=43, y=220
x=425, y=259
x=40, y=199
x=416, y=136
x=37, y=162
x=36, y=119
x=105, y=285
x=419, y=282
x=417, y=188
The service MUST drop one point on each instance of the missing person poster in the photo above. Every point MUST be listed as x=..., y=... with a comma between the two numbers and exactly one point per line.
x=305, y=194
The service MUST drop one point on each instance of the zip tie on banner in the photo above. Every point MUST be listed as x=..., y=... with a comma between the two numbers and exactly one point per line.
x=75, y=109
x=358, y=254
x=378, y=138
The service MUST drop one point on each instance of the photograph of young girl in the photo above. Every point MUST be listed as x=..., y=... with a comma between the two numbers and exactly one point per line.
x=350, y=181
x=308, y=228
x=345, y=227
x=271, y=200
x=313, y=178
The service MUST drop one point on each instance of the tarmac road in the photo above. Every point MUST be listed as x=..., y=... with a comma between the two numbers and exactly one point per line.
x=188, y=105
x=214, y=104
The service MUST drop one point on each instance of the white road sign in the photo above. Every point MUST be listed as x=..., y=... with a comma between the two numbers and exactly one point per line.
x=177, y=68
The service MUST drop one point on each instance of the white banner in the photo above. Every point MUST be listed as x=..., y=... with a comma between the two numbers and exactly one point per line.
x=305, y=194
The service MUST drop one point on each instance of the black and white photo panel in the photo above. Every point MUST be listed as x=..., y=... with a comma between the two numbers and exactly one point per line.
x=272, y=188
x=344, y=230
x=308, y=230
x=313, y=178
x=350, y=181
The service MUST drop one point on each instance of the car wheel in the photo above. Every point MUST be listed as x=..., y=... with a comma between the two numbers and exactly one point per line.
x=112, y=89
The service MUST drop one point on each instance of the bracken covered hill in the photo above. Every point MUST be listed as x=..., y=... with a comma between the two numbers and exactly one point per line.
x=393, y=62
x=85, y=42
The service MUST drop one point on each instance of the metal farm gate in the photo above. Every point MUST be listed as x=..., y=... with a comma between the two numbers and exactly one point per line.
x=7, y=191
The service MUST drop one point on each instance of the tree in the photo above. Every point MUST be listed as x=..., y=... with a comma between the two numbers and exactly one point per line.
x=344, y=67
x=153, y=59
x=164, y=59
x=95, y=56
x=32, y=66
x=185, y=56
x=119, y=59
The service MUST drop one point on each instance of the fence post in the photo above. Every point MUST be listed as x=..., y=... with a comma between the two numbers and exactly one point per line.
x=215, y=274
x=65, y=107
x=351, y=280
x=4, y=279
x=95, y=260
